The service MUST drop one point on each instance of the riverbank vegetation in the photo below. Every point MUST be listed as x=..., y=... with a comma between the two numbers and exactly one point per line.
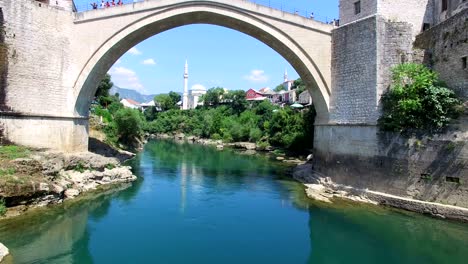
x=225, y=116
x=417, y=101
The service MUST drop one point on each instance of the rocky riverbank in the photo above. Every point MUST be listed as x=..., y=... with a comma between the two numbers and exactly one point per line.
x=322, y=188
x=42, y=178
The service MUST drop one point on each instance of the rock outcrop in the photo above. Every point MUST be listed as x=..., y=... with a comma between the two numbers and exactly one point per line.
x=59, y=176
x=3, y=252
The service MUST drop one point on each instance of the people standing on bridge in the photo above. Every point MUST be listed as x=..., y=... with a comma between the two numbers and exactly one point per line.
x=113, y=3
x=94, y=5
x=103, y=4
x=107, y=4
x=312, y=15
x=120, y=3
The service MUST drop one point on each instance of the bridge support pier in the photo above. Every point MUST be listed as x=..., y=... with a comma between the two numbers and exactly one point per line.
x=69, y=134
x=346, y=139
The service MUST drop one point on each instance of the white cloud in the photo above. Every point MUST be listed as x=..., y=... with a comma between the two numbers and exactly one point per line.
x=149, y=62
x=257, y=76
x=126, y=78
x=134, y=51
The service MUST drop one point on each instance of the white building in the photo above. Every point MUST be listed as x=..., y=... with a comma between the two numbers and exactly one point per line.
x=129, y=103
x=191, y=99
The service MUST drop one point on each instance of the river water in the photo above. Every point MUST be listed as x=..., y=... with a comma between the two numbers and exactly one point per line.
x=194, y=204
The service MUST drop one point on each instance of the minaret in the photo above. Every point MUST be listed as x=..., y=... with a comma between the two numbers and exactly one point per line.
x=185, y=98
x=286, y=83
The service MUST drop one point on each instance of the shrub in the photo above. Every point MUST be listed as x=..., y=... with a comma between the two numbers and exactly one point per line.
x=128, y=123
x=417, y=101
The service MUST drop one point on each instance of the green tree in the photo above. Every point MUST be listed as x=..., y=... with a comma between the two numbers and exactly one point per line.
x=150, y=113
x=128, y=123
x=175, y=97
x=102, y=92
x=104, y=87
x=279, y=88
x=213, y=96
x=416, y=100
x=299, y=86
x=236, y=99
x=164, y=101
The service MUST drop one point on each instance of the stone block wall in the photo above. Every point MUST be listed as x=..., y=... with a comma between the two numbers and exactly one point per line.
x=38, y=62
x=362, y=57
x=415, y=12
x=347, y=14
x=453, y=7
x=445, y=47
x=354, y=73
x=394, y=46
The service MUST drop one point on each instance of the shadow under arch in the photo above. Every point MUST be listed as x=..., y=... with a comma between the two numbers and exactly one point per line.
x=186, y=14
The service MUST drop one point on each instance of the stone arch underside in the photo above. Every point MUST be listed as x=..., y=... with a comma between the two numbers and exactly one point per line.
x=159, y=21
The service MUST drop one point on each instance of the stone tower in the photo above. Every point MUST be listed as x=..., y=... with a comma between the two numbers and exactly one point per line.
x=185, y=96
x=286, y=82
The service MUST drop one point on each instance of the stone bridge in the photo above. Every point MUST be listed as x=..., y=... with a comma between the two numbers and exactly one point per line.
x=53, y=60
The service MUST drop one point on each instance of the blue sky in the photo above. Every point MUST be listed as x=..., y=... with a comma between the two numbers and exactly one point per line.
x=216, y=56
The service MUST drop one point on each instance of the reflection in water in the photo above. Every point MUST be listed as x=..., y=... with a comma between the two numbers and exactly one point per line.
x=378, y=235
x=59, y=234
x=195, y=204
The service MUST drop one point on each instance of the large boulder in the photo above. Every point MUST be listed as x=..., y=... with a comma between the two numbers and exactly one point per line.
x=3, y=252
x=245, y=145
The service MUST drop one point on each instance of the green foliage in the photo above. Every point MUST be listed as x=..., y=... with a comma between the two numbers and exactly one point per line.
x=80, y=167
x=174, y=96
x=110, y=166
x=225, y=116
x=106, y=115
x=128, y=123
x=167, y=101
x=3, y=208
x=102, y=92
x=12, y=152
x=284, y=128
x=7, y=171
x=279, y=88
x=104, y=87
x=150, y=113
x=416, y=101
x=299, y=85
x=237, y=101
x=213, y=96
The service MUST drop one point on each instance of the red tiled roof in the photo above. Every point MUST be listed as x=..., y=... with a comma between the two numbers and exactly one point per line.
x=132, y=101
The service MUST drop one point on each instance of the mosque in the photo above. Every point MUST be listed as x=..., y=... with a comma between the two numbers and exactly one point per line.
x=191, y=99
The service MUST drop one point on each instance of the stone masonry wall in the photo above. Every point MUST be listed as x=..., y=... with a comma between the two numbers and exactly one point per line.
x=453, y=7
x=415, y=12
x=445, y=45
x=429, y=170
x=36, y=62
x=347, y=15
x=394, y=47
x=354, y=73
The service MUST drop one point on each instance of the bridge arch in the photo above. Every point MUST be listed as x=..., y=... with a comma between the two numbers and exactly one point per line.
x=197, y=12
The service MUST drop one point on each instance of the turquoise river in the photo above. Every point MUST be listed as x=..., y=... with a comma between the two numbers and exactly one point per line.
x=194, y=204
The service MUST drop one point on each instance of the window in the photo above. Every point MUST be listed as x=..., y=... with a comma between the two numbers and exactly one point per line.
x=464, y=63
x=444, y=5
x=357, y=7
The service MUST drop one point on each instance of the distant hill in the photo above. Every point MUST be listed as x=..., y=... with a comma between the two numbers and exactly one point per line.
x=132, y=94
